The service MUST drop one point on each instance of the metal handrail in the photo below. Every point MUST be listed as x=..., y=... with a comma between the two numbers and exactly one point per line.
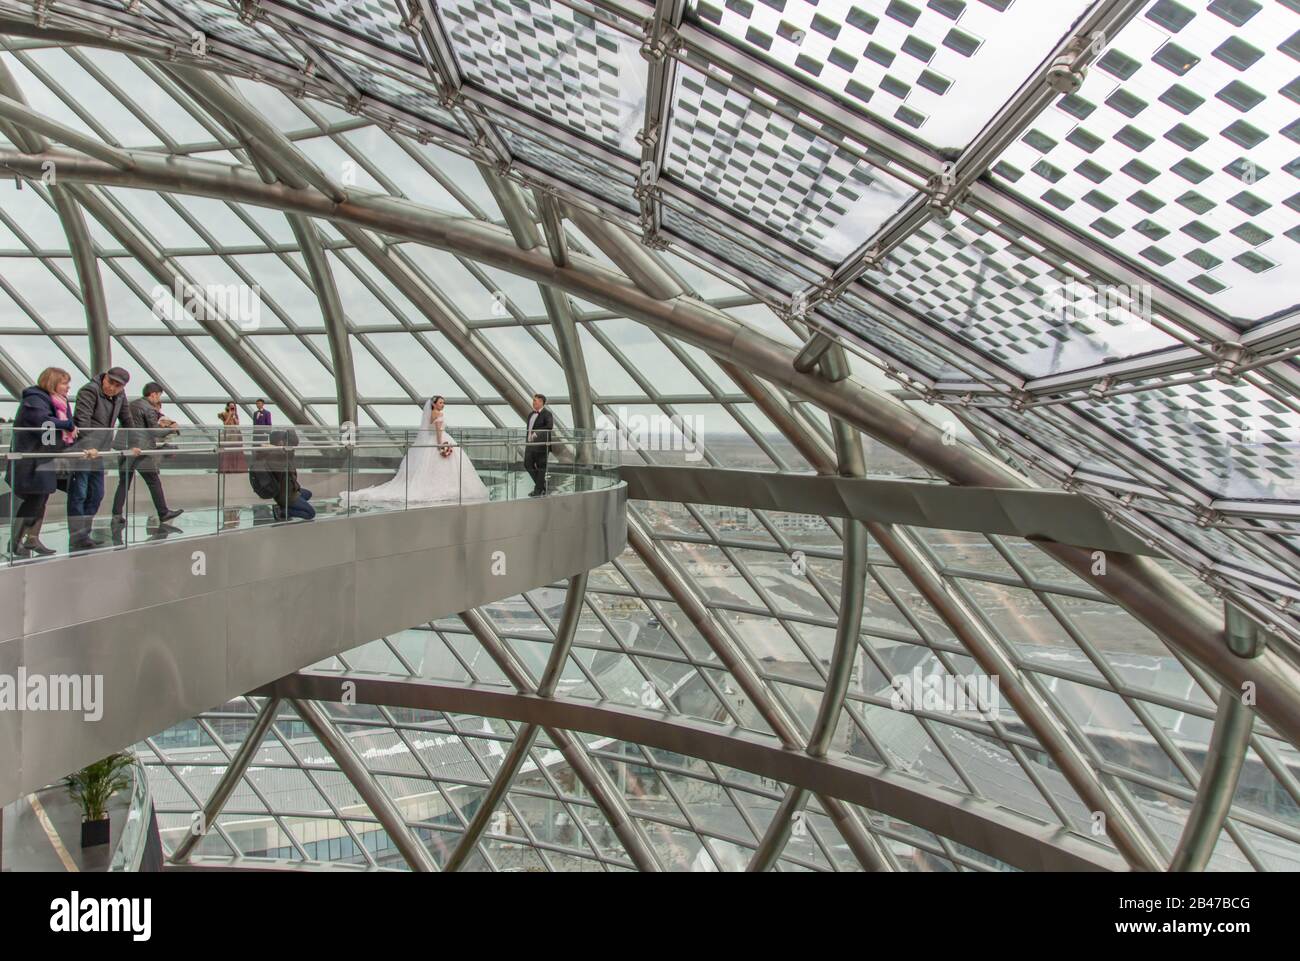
x=129, y=852
x=259, y=443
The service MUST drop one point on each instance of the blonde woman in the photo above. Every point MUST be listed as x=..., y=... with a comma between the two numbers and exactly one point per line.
x=34, y=479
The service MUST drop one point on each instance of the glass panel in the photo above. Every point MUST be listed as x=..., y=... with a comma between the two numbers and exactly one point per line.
x=1004, y=300
x=751, y=158
x=941, y=68
x=1179, y=152
x=554, y=61
x=1235, y=441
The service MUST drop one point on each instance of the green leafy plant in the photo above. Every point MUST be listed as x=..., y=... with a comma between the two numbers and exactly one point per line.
x=95, y=784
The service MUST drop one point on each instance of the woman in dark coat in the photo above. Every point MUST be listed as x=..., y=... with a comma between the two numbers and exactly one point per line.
x=34, y=479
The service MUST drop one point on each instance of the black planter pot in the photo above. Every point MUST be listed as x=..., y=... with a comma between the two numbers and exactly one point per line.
x=94, y=833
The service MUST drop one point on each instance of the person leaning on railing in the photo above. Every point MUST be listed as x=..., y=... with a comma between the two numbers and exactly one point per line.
x=99, y=411
x=38, y=429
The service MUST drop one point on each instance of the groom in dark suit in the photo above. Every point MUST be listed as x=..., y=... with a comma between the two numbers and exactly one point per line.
x=540, y=424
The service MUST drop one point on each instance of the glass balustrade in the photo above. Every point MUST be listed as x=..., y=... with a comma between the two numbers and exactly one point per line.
x=227, y=479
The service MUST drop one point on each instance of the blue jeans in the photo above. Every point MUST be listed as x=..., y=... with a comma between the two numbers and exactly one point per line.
x=85, y=491
x=300, y=508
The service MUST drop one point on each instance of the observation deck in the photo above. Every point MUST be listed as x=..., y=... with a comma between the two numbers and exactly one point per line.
x=171, y=619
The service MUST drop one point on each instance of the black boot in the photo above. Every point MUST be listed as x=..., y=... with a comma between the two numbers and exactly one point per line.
x=79, y=534
x=17, y=549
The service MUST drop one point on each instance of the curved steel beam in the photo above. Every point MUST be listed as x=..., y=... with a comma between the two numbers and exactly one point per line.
x=526, y=734
x=279, y=159
x=221, y=329
x=1224, y=759
x=1154, y=597
x=850, y=462
x=13, y=379
x=735, y=661
x=853, y=579
x=73, y=221
x=354, y=769
x=864, y=844
x=606, y=796
x=989, y=654
x=331, y=307
x=1020, y=841
x=229, y=779
x=86, y=262
x=848, y=628
x=514, y=207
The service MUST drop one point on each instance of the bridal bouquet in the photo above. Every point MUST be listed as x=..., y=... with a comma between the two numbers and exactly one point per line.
x=445, y=450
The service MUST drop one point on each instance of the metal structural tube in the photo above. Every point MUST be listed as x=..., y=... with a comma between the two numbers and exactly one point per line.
x=496, y=792
x=278, y=158
x=380, y=804
x=1129, y=840
x=226, y=103
x=1020, y=840
x=219, y=328
x=606, y=796
x=848, y=628
x=809, y=448
x=18, y=113
x=778, y=830
x=514, y=207
x=553, y=227
x=811, y=353
x=13, y=379
x=1224, y=759
x=393, y=265
x=331, y=307
x=721, y=645
x=86, y=262
x=565, y=632
x=1154, y=597
x=80, y=244
x=627, y=253
x=526, y=734
x=225, y=785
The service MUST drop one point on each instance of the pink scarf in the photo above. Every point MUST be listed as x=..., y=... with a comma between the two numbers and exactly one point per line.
x=61, y=409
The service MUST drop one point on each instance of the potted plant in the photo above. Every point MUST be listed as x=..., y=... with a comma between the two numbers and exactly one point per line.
x=93, y=787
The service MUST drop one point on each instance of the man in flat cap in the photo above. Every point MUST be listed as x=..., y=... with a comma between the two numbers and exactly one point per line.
x=148, y=428
x=99, y=410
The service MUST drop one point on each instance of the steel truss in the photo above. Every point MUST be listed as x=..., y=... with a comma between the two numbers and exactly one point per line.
x=1178, y=359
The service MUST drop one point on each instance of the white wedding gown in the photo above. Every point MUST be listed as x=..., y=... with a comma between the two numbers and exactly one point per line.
x=425, y=476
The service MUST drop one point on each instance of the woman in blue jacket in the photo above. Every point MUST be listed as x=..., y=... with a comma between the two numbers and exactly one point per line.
x=38, y=429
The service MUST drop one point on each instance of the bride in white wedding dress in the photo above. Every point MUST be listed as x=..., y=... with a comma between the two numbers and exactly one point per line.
x=434, y=469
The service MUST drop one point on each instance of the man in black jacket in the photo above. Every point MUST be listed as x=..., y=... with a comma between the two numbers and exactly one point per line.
x=538, y=444
x=144, y=417
x=100, y=409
